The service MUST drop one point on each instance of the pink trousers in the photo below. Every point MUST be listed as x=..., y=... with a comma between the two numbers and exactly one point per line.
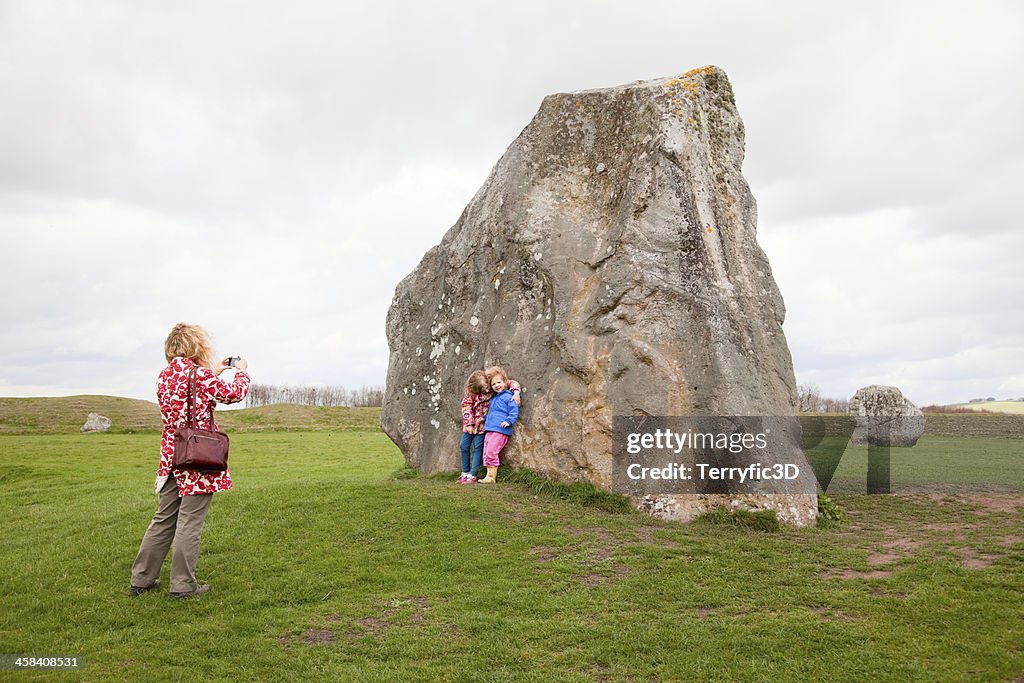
x=493, y=443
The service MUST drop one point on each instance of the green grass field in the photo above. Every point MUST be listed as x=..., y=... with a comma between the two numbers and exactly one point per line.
x=957, y=464
x=325, y=566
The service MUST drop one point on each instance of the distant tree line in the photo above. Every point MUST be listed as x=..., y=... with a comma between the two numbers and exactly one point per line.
x=928, y=410
x=313, y=395
x=990, y=399
x=812, y=401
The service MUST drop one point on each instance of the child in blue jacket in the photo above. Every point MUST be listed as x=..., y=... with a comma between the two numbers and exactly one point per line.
x=501, y=415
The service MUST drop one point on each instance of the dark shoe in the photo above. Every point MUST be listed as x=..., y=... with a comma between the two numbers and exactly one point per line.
x=135, y=591
x=200, y=589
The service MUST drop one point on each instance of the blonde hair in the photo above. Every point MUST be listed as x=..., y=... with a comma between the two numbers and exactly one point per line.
x=189, y=341
x=495, y=371
x=477, y=383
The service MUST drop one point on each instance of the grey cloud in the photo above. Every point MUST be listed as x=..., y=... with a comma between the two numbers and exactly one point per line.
x=308, y=155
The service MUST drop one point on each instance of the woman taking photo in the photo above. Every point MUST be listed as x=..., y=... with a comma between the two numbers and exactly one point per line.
x=184, y=495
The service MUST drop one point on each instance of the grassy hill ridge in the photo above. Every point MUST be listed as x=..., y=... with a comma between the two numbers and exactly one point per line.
x=1010, y=407
x=936, y=424
x=67, y=414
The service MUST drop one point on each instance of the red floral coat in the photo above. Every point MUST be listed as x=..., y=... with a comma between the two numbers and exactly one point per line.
x=172, y=394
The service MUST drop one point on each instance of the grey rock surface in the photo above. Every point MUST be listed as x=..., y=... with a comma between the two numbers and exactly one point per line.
x=883, y=416
x=95, y=423
x=610, y=264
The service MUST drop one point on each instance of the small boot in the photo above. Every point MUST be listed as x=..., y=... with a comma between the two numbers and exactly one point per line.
x=492, y=473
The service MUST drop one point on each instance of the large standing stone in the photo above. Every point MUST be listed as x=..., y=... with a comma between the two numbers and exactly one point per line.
x=882, y=416
x=95, y=423
x=610, y=264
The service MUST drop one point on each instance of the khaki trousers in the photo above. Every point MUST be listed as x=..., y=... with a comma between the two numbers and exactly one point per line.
x=178, y=521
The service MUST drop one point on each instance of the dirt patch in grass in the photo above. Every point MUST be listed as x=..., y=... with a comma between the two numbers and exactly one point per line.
x=311, y=636
x=593, y=555
x=893, y=551
x=903, y=545
x=376, y=625
x=318, y=636
x=950, y=526
x=875, y=559
x=940, y=499
x=371, y=625
x=452, y=630
x=961, y=539
x=608, y=542
x=419, y=610
x=602, y=535
x=601, y=672
x=847, y=574
x=598, y=569
x=515, y=514
x=544, y=553
x=596, y=564
x=996, y=503
x=880, y=592
x=645, y=535
x=831, y=614
x=704, y=612
x=972, y=559
x=594, y=579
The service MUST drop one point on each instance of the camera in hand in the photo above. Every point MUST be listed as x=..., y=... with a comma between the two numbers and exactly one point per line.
x=233, y=361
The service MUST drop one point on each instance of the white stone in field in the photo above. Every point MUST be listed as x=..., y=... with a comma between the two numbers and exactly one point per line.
x=883, y=416
x=95, y=423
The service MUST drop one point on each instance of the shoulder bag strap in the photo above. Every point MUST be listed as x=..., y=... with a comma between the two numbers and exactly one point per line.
x=190, y=417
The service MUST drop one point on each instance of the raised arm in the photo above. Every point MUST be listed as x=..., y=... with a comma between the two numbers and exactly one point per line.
x=516, y=390
x=220, y=390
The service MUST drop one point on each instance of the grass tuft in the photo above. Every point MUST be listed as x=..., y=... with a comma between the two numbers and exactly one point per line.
x=759, y=520
x=580, y=493
x=404, y=472
x=830, y=515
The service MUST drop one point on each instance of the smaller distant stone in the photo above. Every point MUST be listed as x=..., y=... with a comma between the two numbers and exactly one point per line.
x=883, y=416
x=96, y=423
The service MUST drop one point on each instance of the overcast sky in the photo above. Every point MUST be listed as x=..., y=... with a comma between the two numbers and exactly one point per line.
x=271, y=171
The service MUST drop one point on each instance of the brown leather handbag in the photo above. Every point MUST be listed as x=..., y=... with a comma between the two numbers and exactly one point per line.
x=197, y=449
